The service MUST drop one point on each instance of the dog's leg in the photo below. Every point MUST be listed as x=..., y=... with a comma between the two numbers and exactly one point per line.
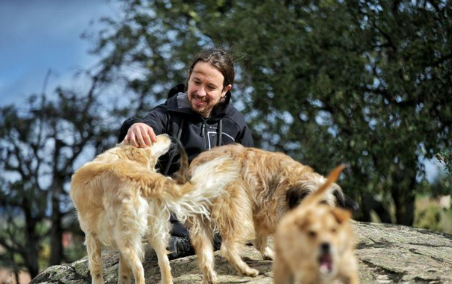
x=159, y=243
x=94, y=259
x=350, y=279
x=236, y=215
x=281, y=271
x=231, y=251
x=348, y=271
x=125, y=273
x=201, y=237
x=354, y=278
x=262, y=246
x=129, y=253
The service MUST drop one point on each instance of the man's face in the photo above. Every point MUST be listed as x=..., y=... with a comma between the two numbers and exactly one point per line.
x=205, y=88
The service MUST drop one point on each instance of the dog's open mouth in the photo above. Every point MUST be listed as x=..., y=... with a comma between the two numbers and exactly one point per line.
x=326, y=263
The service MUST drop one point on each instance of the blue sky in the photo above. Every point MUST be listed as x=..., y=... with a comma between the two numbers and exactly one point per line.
x=41, y=35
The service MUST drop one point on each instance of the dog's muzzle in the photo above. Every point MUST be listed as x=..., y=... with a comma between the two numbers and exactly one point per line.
x=325, y=259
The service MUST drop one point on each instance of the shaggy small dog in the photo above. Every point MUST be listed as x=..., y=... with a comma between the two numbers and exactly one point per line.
x=270, y=184
x=120, y=198
x=314, y=243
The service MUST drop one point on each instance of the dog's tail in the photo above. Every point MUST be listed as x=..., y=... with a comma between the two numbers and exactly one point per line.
x=207, y=182
x=182, y=175
x=319, y=195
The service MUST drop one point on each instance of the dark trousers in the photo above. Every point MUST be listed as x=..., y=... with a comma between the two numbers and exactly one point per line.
x=180, y=244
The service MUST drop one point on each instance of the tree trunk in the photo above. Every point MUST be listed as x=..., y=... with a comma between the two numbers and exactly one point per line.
x=369, y=203
x=32, y=245
x=402, y=191
x=404, y=205
x=56, y=231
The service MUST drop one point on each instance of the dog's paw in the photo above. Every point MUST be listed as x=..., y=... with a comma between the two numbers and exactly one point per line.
x=210, y=279
x=268, y=254
x=251, y=272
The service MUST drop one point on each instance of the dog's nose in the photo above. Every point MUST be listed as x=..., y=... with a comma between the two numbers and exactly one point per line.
x=325, y=248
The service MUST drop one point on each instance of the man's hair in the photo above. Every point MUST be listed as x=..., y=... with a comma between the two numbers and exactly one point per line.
x=220, y=59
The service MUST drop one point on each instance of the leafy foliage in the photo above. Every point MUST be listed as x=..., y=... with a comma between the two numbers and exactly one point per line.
x=445, y=158
x=362, y=82
x=41, y=144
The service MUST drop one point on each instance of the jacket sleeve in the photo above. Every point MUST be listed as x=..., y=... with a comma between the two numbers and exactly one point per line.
x=247, y=138
x=156, y=118
x=244, y=135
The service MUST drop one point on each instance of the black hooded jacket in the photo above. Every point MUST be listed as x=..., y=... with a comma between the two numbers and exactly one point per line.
x=226, y=125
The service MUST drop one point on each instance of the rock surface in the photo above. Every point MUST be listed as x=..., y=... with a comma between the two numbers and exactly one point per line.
x=387, y=254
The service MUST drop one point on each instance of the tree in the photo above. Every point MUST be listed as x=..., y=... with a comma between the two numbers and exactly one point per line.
x=445, y=158
x=362, y=82
x=41, y=145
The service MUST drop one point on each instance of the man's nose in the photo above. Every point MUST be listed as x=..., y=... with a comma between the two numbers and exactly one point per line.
x=201, y=91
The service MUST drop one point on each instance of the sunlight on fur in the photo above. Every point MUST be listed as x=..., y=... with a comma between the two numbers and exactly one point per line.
x=270, y=184
x=314, y=243
x=120, y=198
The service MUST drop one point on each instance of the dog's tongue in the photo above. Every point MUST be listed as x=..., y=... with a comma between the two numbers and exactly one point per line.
x=326, y=264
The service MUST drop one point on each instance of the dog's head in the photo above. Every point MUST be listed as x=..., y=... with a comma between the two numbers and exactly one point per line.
x=303, y=188
x=316, y=235
x=306, y=186
x=323, y=234
x=148, y=156
x=161, y=146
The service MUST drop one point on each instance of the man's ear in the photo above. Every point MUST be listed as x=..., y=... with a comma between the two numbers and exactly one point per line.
x=227, y=88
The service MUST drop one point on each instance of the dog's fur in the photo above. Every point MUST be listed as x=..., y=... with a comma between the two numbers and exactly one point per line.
x=120, y=198
x=314, y=243
x=270, y=184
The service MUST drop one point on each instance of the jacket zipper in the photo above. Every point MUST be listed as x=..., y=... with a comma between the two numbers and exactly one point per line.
x=203, y=134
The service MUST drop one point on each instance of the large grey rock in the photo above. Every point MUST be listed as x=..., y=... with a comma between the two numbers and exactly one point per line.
x=387, y=254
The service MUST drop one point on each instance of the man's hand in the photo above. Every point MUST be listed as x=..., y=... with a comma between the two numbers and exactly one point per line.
x=140, y=135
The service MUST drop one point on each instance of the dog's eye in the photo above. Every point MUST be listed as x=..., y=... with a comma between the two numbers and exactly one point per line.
x=333, y=230
x=312, y=234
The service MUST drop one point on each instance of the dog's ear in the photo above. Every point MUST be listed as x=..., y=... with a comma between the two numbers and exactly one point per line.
x=344, y=201
x=135, y=154
x=341, y=215
x=351, y=204
x=295, y=195
x=340, y=197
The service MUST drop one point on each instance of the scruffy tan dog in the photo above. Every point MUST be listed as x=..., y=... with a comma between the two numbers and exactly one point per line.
x=270, y=184
x=120, y=199
x=314, y=243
